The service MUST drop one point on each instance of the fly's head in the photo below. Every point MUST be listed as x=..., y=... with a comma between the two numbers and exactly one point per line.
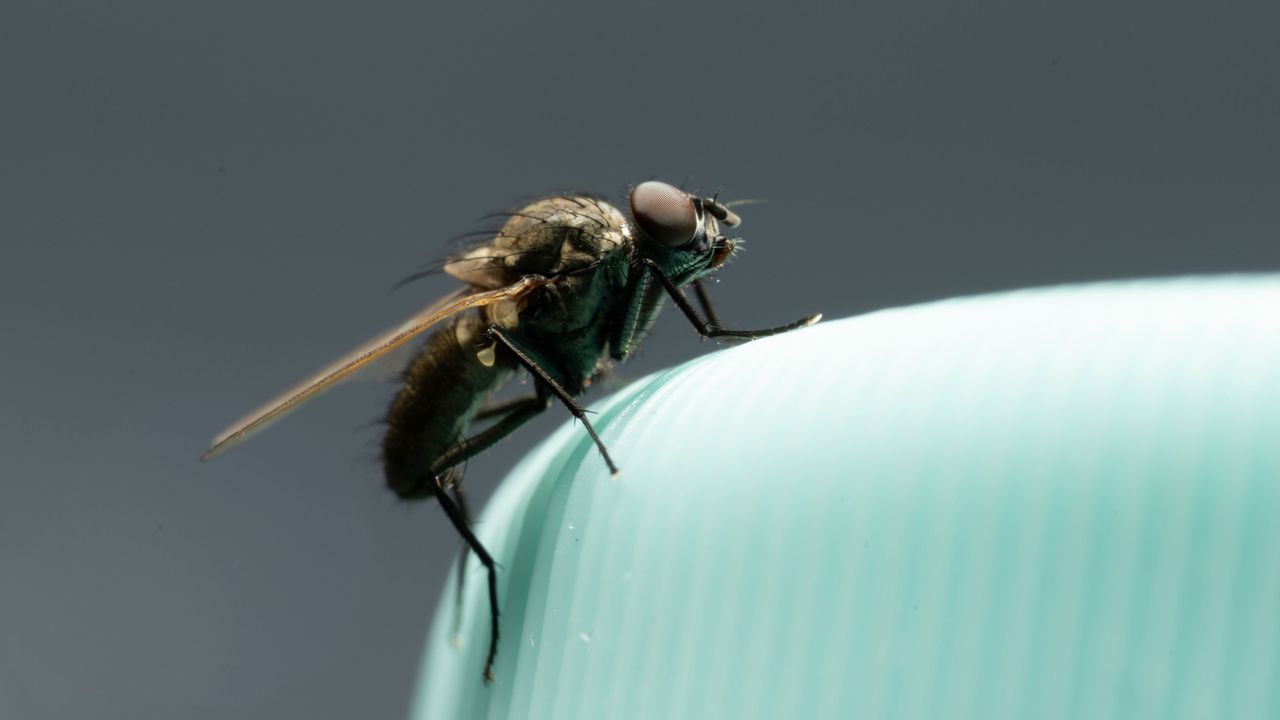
x=680, y=231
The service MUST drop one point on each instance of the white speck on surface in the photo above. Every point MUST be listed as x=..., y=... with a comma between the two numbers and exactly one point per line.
x=585, y=637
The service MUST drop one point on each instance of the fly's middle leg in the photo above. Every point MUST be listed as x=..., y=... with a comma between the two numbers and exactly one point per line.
x=555, y=388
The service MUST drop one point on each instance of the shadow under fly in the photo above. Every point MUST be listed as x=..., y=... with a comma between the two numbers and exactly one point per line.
x=568, y=285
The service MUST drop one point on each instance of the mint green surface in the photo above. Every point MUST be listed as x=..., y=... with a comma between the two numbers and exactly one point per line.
x=1053, y=503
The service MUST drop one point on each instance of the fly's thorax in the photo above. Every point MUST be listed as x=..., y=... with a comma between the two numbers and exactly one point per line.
x=567, y=322
x=551, y=236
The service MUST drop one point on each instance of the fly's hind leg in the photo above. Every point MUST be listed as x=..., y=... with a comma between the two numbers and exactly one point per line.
x=460, y=499
x=454, y=513
x=453, y=478
x=513, y=414
x=506, y=407
x=453, y=501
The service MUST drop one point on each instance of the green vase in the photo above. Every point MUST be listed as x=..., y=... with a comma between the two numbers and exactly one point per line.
x=1051, y=503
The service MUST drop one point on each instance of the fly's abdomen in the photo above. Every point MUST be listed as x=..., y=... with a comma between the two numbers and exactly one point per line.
x=443, y=388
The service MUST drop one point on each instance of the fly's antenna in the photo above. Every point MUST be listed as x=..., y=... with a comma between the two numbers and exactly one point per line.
x=721, y=212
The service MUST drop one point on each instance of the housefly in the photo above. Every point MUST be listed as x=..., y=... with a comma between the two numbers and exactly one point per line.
x=567, y=286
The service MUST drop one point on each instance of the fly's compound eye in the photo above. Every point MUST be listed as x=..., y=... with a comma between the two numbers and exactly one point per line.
x=665, y=213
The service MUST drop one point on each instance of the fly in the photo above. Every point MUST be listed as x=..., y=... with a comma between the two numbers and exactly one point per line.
x=568, y=286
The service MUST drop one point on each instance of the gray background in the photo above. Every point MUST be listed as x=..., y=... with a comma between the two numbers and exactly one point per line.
x=200, y=204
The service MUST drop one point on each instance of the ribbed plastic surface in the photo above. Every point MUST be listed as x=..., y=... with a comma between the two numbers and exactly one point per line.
x=1054, y=503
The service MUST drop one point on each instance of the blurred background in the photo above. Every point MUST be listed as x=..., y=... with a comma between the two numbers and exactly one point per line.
x=202, y=203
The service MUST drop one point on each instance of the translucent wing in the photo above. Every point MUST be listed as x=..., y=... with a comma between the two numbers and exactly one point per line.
x=362, y=356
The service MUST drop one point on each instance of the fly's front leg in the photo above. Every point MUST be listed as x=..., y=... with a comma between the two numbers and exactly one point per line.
x=708, y=329
x=705, y=301
x=496, y=333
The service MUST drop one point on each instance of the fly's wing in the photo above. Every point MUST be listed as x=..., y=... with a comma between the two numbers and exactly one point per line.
x=362, y=356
